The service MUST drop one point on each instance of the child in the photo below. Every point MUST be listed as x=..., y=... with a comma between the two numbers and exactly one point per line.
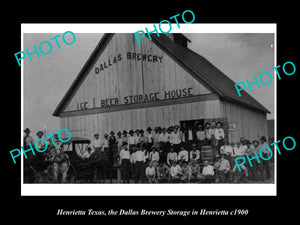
x=150, y=173
x=186, y=173
x=162, y=171
x=175, y=172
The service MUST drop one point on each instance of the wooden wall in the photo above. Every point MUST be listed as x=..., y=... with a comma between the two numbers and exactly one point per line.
x=250, y=124
x=132, y=77
x=87, y=125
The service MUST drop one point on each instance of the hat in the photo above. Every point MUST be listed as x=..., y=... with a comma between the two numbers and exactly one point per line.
x=112, y=132
x=176, y=126
x=207, y=124
x=124, y=132
x=155, y=128
x=124, y=143
x=141, y=131
x=137, y=130
x=163, y=128
x=194, y=144
x=255, y=141
x=27, y=130
x=40, y=132
x=263, y=138
x=105, y=135
x=149, y=128
x=131, y=132
x=219, y=123
x=119, y=133
x=159, y=128
x=96, y=135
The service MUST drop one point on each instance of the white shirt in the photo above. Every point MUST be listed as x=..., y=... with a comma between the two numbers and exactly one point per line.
x=105, y=143
x=163, y=137
x=174, y=170
x=171, y=156
x=139, y=156
x=219, y=133
x=131, y=140
x=208, y=133
x=154, y=156
x=200, y=135
x=226, y=149
x=149, y=136
x=150, y=171
x=183, y=155
x=124, y=154
x=96, y=143
x=208, y=170
x=240, y=150
x=175, y=138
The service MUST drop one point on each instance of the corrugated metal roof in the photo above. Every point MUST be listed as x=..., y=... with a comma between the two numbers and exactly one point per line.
x=199, y=67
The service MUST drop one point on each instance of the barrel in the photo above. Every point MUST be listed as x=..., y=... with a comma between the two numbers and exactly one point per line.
x=207, y=154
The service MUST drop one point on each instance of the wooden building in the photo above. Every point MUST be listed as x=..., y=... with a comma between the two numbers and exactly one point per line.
x=161, y=82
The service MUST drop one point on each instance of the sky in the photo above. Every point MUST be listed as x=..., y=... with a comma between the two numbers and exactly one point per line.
x=47, y=79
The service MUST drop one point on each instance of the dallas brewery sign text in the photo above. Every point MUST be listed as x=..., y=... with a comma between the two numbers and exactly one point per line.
x=129, y=56
x=133, y=99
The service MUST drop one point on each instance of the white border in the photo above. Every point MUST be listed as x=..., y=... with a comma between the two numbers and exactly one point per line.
x=149, y=189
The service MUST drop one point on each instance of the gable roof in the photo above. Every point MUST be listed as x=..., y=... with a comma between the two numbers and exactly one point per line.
x=199, y=67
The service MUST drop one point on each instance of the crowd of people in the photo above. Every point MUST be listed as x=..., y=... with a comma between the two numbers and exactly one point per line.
x=174, y=154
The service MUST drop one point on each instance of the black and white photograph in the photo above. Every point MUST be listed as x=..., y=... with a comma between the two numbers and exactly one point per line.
x=162, y=111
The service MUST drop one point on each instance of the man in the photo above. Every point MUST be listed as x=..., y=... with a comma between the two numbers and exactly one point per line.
x=171, y=156
x=164, y=143
x=143, y=139
x=200, y=136
x=208, y=134
x=207, y=173
x=125, y=162
x=258, y=166
x=154, y=156
x=139, y=161
x=227, y=150
x=150, y=173
x=222, y=167
x=149, y=136
x=137, y=136
x=175, y=139
x=162, y=171
x=105, y=143
x=194, y=153
x=96, y=143
x=187, y=136
x=125, y=137
x=175, y=172
x=183, y=155
x=250, y=152
x=112, y=154
x=27, y=141
x=195, y=170
x=119, y=141
x=219, y=136
x=240, y=151
x=156, y=136
x=185, y=173
x=265, y=154
x=61, y=162
x=40, y=144
x=131, y=140
x=28, y=173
